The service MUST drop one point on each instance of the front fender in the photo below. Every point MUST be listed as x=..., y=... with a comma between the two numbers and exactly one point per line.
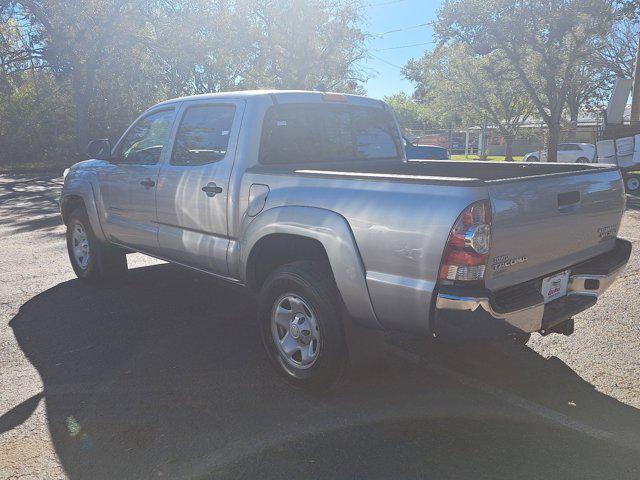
x=80, y=186
x=334, y=233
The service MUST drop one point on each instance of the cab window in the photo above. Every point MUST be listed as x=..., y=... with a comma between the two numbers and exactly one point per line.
x=317, y=132
x=203, y=135
x=144, y=142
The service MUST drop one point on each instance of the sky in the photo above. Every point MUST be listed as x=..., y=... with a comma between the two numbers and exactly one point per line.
x=391, y=49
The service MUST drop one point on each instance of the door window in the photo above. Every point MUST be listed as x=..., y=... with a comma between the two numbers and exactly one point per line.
x=143, y=144
x=567, y=147
x=203, y=136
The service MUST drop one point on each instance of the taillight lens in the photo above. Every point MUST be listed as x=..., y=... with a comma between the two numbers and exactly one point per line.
x=467, y=250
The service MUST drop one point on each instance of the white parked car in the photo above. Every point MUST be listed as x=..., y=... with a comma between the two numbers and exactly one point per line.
x=568, y=153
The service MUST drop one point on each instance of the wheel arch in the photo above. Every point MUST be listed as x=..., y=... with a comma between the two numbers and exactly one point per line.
x=79, y=193
x=302, y=233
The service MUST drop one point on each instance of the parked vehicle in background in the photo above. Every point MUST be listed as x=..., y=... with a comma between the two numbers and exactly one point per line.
x=632, y=182
x=307, y=199
x=414, y=151
x=567, y=153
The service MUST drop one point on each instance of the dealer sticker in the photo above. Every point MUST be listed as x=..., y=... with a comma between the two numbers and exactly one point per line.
x=555, y=286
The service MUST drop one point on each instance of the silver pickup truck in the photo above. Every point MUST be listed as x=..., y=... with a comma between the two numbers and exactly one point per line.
x=307, y=199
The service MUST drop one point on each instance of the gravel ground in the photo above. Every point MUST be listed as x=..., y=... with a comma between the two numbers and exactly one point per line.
x=164, y=377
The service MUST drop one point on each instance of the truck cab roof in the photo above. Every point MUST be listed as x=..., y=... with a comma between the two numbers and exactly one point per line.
x=283, y=96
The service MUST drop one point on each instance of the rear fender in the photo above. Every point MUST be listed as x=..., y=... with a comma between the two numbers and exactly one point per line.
x=334, y=233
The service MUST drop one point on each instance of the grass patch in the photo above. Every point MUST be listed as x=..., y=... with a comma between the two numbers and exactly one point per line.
x=493, y=158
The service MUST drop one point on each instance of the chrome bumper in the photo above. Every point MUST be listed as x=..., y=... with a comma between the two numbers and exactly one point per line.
x=480, y=313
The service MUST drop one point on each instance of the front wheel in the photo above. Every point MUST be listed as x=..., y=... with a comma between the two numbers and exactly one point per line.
x=582, y=160
x=92, y=261
x=533, y=158
x=300, y=318
x=632, y=183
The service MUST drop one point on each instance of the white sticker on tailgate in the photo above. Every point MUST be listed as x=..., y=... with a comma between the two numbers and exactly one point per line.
x=555, y=286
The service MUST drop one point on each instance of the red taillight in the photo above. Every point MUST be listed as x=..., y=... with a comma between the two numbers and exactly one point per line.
x=467, y=250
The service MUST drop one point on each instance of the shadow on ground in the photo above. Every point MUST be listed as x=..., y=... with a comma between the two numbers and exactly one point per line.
x=633, y=202
x=30, y=202
x=164, y=376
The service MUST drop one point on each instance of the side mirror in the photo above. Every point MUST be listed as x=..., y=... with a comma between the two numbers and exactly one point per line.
x=99, y=149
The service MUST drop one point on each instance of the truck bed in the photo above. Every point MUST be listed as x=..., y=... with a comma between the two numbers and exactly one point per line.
x=477, y=172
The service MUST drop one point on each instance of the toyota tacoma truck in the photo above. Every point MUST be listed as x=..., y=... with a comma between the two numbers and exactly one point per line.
x=307, y=199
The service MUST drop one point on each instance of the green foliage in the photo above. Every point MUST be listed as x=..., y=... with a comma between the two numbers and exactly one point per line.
x=105, y=61
x=544, y=42
x=467, y=88
x=35, y=122
x=409, y=112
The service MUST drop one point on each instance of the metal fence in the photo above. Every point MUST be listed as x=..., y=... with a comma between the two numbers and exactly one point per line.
x=489, y=141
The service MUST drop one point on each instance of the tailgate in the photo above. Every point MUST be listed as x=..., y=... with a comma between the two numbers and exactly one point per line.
x=544, y=224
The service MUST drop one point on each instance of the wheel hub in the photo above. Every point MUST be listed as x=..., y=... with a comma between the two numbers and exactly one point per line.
x=295, y=331
x=300, y=329
x=80, y=245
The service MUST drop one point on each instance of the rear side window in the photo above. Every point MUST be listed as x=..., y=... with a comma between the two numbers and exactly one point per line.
x=307, y=133
x=203, y=135
x=568, y=147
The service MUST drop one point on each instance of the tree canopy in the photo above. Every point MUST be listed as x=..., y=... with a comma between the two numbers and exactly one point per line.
x=455, y=79
x=545, y=43
x=90, y=66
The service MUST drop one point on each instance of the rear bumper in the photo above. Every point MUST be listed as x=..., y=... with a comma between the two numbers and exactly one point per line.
x=481, y=314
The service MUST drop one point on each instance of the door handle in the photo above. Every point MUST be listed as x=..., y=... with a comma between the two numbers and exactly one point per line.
x=148, y=183
x=211, y=189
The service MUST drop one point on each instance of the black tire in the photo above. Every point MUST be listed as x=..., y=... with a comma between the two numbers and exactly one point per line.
x=103, y=263
x=582, y=160
x=533, y=158
x=313, y=283
x=521, y=338
x=632, y=184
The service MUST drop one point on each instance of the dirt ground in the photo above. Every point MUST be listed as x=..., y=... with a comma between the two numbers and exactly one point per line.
x=164, y=377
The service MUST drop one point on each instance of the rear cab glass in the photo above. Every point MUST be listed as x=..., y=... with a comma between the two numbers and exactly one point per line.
x=317, y=132
x=427, y=153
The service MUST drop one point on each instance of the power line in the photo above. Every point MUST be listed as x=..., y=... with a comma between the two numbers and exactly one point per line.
x=381, y=4
x=385, y=61
x=404, y=29
x=403, y=46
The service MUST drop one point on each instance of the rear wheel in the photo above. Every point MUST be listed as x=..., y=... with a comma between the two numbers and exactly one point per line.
x=300, y=318
x=533, y=158
x=632, y=183
x=92, y=260
x=582, y=160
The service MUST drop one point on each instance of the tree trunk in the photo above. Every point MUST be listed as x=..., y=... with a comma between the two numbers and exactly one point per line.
x=635, y=95
x=552, y=143
x=82, y=85
x=575, y=112
x=508, y=148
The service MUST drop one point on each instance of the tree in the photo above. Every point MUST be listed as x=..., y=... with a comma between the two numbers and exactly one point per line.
x=113, y=58
x=312, y=43
x=74, y=38
x=476, y=86
x=588, y=89
x=616, y=52
x=543, y=40
x=410, y=113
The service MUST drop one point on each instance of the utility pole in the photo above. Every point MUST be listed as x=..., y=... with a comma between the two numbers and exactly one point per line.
x=635, y=95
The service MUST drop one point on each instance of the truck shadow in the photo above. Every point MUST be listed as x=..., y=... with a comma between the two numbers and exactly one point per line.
x=164, y=376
